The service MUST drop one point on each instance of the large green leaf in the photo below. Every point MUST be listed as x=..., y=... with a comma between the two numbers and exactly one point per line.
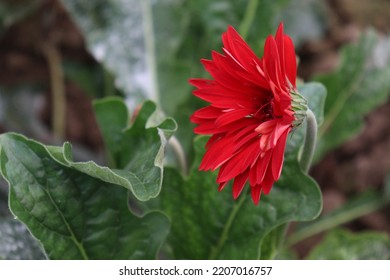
x=135, y=39
x=137, y=151
x=114, y=34
x=344, y=245
x=16, y=243
x=210, y=224
x=356, y=88
x=74, y=215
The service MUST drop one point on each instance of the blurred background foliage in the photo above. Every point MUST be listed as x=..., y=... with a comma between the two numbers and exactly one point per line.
x=57, y=56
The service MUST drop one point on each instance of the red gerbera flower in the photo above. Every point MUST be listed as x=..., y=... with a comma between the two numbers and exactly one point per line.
x=250, y=112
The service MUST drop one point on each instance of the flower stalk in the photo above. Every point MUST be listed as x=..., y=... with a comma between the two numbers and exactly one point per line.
x=308, y=148
x=53, y=58
x=179, y=153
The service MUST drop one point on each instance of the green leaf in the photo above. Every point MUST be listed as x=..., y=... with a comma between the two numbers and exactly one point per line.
x=136, y=151
x=74, y=215
x=210, y=224
x=272, y=242
x=16, y=243
x=92, y=79
x=114, y=34
x=344, y=245
x=356, y=88
x=315, y=94
x=135, y=39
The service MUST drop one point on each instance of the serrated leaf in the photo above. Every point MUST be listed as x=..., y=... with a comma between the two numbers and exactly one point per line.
x=16, y=243
x=74, y=215
x=355, y=89
x=137, y=151
x=210, y=224
x=344, y=245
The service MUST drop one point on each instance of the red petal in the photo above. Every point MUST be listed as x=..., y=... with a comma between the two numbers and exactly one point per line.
x=241, y=161
x=232, y=116
x=261, y=168
x=218, y=152
x=290, y=61
x=205, y=114
x=234, y=43
x=222, y=186
x=268, y=181
x=272, y=62
x=239, y=183
x=277, y=133
x=256, y=192
x=278, y=156
x=252, y=75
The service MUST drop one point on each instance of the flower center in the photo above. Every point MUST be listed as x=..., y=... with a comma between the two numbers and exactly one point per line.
x=265, y=112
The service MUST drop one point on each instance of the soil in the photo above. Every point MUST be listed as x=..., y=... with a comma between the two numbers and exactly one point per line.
x=359, y=164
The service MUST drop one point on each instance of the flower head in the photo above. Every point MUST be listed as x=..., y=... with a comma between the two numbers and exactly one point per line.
x=250, y=112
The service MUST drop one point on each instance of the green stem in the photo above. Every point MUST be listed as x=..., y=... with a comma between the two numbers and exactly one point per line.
x=307, y=151
x=179, y=153
x=225, y=232
x=150, y=49
x=249, y=16
x=335, y=220
x=53, y=58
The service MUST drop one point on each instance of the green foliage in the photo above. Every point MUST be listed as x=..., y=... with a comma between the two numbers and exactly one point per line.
x=272, y=242
x=136, y=150
x=343, y=245
x=365, y=203
x=133, y=40
x=209, y=224
x=94, y=80
x=163, y=41
x=356, y=88
x=149, y=49
x=74, y=215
